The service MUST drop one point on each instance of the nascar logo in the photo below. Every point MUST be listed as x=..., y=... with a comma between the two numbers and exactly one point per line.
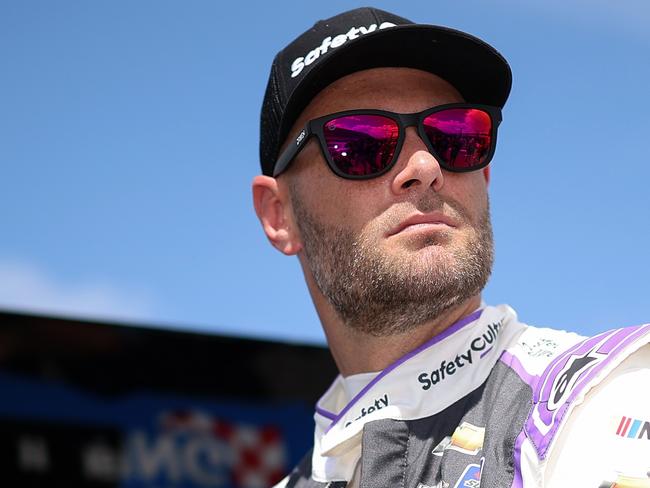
x=633, y=428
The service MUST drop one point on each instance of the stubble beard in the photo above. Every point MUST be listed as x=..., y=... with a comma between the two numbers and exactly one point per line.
x=384, y=295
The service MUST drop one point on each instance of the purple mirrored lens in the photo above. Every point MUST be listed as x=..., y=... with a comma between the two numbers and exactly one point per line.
x=361, y=145
x=462, y=137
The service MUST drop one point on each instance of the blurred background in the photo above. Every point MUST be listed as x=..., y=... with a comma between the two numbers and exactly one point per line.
x=149, y=334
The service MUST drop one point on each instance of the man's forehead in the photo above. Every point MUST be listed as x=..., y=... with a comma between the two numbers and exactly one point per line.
x=395, y=89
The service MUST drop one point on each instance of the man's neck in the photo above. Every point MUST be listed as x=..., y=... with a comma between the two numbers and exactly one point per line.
x=357, y=352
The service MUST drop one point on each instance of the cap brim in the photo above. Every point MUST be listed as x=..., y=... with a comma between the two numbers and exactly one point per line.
x=473, y=67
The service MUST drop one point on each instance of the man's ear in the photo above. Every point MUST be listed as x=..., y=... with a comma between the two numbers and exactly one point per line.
x=273, y=210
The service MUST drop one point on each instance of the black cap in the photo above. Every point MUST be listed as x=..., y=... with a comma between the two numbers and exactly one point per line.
x=367, y=38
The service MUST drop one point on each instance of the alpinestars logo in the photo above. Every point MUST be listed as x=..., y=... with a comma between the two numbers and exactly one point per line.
x=332, y=42
x=633, y=428
x=569, y=376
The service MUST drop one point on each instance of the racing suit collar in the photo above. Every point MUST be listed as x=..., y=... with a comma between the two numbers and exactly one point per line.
x=421, y=383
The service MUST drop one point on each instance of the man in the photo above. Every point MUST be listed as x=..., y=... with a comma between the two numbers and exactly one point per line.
x=376, y=137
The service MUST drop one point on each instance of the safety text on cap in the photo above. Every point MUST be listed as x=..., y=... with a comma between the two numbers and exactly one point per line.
x=332, y=42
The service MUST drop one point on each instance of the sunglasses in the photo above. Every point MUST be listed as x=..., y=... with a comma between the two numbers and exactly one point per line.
x=363, y=144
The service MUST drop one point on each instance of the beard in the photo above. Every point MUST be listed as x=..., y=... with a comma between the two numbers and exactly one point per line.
x=384, y=294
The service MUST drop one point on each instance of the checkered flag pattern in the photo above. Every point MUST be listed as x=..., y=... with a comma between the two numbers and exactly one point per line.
x=259, y=455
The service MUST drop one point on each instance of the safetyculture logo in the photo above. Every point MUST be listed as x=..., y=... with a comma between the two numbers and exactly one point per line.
x=633, y=428
x=479, y=346
x=378, y=404
x=332, y=42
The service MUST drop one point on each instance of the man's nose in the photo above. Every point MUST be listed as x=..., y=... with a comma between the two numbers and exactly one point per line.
x=417, y=168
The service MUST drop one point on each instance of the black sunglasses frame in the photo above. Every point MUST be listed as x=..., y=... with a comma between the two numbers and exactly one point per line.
x=315, y=127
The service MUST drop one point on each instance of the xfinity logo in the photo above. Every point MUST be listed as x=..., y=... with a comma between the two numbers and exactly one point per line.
x=300, y=62
x=479, y=345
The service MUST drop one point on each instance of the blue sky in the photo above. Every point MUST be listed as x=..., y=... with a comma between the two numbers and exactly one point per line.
x=128, y=141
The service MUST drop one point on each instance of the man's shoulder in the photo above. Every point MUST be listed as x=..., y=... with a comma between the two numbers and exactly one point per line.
x=572, y=372
x=531, y=352
x=607, y=435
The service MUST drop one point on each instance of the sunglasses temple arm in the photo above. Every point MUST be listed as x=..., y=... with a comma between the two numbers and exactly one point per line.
x=292, y=151
x=498, y=117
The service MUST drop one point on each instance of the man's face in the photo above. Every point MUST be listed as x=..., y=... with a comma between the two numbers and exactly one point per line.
x=381, y=273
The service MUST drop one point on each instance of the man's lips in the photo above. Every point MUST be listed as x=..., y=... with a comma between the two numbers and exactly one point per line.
x=422, y=221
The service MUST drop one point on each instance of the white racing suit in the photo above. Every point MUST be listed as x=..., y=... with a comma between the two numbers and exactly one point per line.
x=491, y=402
